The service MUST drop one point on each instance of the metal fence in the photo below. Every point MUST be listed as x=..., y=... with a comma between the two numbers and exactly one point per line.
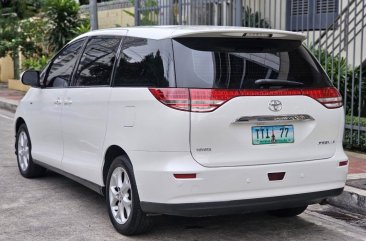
x=335, y=31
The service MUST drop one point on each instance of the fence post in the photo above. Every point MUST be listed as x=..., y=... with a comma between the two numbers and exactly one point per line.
x=180, y=8
x=238, y=7
x=137, y=12
x=93, y=8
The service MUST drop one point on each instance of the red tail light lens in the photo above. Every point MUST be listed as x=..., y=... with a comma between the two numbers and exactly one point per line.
x=329, y=97
x=176, y=98
x=206, y=100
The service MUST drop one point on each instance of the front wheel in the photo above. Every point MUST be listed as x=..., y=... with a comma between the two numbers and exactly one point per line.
x=123, y=200
x=288, y=212
x=23, y=147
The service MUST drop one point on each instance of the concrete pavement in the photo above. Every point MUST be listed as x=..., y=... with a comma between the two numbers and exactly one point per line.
x=9, y=99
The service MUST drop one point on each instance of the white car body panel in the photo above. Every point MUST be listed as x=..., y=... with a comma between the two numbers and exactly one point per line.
x=43, y=119
x=155, y=127
x=230, y=183
x=230, y=143
x=84, y=124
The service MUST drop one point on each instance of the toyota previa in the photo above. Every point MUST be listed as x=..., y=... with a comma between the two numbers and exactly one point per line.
x=188, y=121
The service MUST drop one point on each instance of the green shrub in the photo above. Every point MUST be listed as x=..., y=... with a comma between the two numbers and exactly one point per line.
x=62, y=17
x=352, y=142
x=37, y=63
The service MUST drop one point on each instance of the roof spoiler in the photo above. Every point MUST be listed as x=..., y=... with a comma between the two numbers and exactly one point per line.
x=244, y=33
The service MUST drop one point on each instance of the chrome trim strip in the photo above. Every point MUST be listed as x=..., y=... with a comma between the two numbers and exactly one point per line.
x=274, y=118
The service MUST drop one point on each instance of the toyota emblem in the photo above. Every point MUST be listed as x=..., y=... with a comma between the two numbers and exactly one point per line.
x=275, y=105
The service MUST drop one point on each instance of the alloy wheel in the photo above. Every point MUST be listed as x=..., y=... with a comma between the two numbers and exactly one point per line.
x=120, y=195
x=23, y=151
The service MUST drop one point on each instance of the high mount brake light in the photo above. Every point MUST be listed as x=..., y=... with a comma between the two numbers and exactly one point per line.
x=207, y=100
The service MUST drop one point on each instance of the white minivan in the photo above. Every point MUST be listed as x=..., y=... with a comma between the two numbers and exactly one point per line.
x=183, y=120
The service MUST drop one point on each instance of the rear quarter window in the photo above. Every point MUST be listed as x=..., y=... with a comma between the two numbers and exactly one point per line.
x=145, y=63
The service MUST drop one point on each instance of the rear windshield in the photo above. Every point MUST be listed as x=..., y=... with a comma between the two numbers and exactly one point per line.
x=238, y=63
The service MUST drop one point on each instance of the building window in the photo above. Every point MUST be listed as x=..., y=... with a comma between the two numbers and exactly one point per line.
x=302, y=15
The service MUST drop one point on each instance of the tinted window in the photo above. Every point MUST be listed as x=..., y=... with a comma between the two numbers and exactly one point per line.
x=245, y=63
x=145, y=62
x=96, y=63
x=60, y=71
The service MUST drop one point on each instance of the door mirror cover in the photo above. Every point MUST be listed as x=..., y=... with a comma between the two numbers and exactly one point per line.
x=31, y=78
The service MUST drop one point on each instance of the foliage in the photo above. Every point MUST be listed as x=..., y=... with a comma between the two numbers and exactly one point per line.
x=12, y=36
x=62, y=18
x=36, y=44
x=146, y=15
x=20, y=9
x=84, y=27
x=354, y=120
x=38, y=28
x=351, y=142
x=35, y=63
x=255, y=19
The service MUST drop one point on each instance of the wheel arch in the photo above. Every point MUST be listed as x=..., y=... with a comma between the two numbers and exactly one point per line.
x=18, y=123
x=112, y=152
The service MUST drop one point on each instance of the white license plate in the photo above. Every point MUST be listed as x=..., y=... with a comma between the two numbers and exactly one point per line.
x=262, y=135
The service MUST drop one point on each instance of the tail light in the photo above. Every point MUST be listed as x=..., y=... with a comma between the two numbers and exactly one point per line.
x=176, y=98
x=329, y=97
x=207, y=100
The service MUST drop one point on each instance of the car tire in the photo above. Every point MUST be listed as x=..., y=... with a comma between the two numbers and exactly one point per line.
x=123, y=200
x=23, y=150
x=288, y=212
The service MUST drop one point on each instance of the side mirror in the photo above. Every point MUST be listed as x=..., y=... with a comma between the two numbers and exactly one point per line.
x=31, y=78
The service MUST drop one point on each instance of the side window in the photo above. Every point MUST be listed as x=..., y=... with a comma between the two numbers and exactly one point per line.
x=96, y=64
x=145, y=62
x=60, y=71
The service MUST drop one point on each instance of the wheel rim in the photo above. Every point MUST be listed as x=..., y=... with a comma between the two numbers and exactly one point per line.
x=120, y=195
x=23, y=151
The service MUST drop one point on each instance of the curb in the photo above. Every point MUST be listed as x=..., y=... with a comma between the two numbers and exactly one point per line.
x=10, y=105
x=352, y=199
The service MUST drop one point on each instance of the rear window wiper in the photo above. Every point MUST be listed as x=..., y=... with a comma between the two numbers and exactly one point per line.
x=277, y=82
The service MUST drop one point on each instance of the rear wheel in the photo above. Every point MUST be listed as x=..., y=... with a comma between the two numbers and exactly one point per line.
x=123, y=200
x=23, y=146
x=288, y=212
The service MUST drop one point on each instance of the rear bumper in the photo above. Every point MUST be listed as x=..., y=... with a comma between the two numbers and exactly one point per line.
x=228, y=187
x=238, y=206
